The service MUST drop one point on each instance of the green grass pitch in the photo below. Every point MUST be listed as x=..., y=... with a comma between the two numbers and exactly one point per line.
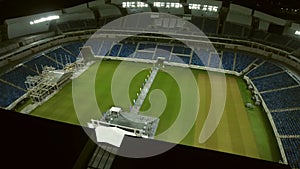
x=241, y=131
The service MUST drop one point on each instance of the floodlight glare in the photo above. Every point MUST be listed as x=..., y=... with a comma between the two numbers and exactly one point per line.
x=297, y=33
x=49, y=18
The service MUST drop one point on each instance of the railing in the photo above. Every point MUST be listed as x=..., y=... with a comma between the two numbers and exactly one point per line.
x=191, y=38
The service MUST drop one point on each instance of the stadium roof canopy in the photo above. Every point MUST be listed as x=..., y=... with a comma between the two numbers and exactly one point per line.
x=279, y=8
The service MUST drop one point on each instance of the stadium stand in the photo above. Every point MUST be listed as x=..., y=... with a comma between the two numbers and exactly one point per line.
x=18, y=76
x=127, y=49
x=9, y=94
x=287, y=123
x=196, y=60
x=74, y=48
x=243, y=60
x=147, y=46
x=180, y=59
x=264, y=69
x=182, y=50
x=276, y=81
x=62, y=56
x=214, y=60
x=114, y=51
x=163, y=51
x=143, y=55
x=39, y=61
x=204, y=56
x=285, y=100
x=290, y=145
x=95, y=44
x=227, y=60
x=105, y=48
x=266, y=77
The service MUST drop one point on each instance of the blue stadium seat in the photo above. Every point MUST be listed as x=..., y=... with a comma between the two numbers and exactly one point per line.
x=163, y=51
x=287, y=123
x=228, y=60
x=274, y=82
x=114, y=50
x=282, y=99
x=38, y=62
x=9, y=94
x=291, y=145
x=243, y=60
x=62, y=56
x=147, y=46
x=74, y=48
x=18, y=76
x=203, y=56
x=214, y=60
x=182, y=50
x=264, y=69
x=127, y=50
x=196, y=60
x=105, y=48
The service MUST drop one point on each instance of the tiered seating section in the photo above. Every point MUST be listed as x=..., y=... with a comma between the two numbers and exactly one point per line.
x=12, y=83
x=291, y=147
x=282, y=99
x=278, y=89
x=243, y=60
x=9, y=94
x=287, y=122
x=275, y=81
x=280, y=92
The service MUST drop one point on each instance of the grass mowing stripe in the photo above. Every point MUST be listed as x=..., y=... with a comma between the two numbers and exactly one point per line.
x=103, y=84
x=246, y=132
x=261, y=128
x=205, y=100
x=168, y=85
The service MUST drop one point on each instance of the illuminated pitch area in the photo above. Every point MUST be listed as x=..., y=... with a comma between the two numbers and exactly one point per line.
x=241, y=131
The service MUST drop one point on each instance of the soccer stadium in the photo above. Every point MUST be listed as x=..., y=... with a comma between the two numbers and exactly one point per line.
x=96, y=84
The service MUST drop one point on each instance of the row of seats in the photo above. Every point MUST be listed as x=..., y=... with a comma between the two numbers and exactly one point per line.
x=62, y=56
x=264, y=69
x=275, y=81
x=38, y=62
x=282, y=99
x=73, y=47
x=291, y=147
x=18, y=76
x=243, y=60
x=199, y=57
x=55, y=58
x=9, y=94
x=288, y=122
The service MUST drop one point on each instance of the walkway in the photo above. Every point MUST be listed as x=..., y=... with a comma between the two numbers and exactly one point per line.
x=142, y=95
